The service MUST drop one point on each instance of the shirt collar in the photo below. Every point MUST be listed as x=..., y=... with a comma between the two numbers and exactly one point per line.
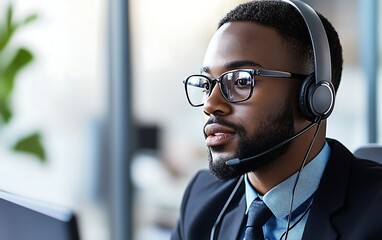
x=278, y=198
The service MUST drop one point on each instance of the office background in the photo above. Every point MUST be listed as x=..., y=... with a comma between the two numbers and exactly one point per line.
x=104, y=90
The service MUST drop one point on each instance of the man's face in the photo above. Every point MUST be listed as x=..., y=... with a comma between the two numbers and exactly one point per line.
x=267, y=118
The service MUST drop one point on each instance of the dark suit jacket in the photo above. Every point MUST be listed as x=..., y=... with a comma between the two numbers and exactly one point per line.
x=347, y=204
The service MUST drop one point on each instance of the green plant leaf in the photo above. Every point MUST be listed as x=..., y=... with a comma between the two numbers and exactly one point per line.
x=7, y=79
x=7, y=29
x=21, y=58
x=9, y=16
x=29, y=19
x=10, y=26
x=31, y=144
x=5, y=112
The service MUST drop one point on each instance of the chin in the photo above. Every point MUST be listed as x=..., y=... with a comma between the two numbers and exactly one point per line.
x=219, y=168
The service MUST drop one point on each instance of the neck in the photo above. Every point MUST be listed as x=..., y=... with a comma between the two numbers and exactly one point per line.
x=270, y=175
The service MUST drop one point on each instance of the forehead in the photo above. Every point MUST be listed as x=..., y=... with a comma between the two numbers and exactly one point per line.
x=249, y=43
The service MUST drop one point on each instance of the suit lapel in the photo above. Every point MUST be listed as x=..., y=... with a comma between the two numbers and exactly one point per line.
x=232, y=222
x=330, y=194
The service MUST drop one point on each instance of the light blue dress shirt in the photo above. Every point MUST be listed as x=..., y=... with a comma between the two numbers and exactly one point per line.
x=278, y=199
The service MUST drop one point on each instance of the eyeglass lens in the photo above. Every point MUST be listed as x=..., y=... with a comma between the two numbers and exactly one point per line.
x=235, y=86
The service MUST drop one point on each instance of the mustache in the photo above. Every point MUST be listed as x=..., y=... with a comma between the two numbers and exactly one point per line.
x=224, y=122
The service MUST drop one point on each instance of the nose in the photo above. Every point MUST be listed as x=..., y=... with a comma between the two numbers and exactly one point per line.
x=216, y=103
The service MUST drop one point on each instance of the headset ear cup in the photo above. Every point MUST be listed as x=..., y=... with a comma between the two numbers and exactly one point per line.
x=322, y=99
x=316, y=100
x=305, y=96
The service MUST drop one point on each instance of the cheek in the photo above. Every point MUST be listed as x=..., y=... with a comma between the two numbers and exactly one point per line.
x=270, y=95
x=260, y=110
x=250, y=117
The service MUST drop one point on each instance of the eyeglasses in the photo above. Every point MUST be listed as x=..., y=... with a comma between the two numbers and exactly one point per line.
x=235, y=86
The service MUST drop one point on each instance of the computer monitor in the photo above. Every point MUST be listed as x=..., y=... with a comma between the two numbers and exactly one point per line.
x=26, y=219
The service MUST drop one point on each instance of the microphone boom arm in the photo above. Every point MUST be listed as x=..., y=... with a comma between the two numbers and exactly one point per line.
x=236, y=161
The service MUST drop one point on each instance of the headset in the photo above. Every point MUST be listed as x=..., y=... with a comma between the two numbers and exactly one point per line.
x=317, y=94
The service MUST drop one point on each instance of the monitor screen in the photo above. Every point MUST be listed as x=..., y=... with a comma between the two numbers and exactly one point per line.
x=25, y=219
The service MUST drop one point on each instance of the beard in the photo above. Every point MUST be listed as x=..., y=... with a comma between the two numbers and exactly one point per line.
x=273, y=130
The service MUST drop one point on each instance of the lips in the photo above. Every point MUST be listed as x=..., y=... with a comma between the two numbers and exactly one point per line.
x=217, y=134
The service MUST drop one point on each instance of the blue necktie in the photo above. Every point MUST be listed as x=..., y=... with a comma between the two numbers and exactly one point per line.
x=258, y=215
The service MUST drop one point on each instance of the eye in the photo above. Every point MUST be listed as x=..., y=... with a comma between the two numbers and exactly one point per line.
x=205, y=86
x=198, y=82
x=243, y=82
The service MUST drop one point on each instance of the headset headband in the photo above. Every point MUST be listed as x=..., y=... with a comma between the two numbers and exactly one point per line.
x=320, y=44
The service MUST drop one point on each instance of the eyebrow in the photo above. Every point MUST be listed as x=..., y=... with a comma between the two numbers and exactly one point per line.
x=233, y=65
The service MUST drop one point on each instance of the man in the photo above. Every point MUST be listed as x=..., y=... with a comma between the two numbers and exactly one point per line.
x=310, y=187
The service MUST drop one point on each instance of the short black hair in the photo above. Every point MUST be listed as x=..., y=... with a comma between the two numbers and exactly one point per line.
x=289, y=23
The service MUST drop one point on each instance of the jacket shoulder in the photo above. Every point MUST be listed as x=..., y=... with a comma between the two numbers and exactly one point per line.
x=202, y=202
x=347, y=203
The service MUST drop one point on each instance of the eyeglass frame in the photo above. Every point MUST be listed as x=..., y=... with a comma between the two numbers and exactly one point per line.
x=252, y=72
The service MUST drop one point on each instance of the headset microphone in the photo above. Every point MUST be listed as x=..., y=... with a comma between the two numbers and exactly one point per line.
x=237, y=161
